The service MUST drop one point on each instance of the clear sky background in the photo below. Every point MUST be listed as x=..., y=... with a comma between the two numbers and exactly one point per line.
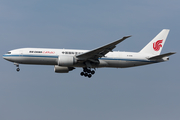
x=149, y=92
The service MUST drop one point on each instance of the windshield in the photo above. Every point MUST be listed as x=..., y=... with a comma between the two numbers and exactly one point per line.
x=8, y=53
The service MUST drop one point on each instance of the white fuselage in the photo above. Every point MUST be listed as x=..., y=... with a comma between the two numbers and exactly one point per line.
x=42, y=56
x=65, y=60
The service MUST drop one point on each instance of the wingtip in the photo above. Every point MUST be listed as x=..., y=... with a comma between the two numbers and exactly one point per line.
x=127, y=36
x=173, y=52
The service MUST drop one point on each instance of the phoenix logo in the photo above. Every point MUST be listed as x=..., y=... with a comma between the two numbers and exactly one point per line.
x=157, y=45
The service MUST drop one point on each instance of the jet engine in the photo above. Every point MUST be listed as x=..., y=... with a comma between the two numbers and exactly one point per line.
x=66, y=60
x=61, y=69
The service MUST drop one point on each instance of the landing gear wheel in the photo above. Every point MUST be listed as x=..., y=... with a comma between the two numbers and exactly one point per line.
x=92, y=72
x=18, y=69
x=89, y=76
x=85, y=74
x=88, y=71
x=82, y=73
x=85, y=69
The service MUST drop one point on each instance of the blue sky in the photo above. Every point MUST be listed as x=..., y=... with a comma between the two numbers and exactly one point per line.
x=36, y=92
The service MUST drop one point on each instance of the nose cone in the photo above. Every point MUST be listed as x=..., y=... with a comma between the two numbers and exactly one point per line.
x=9, y=58
x=6, y=57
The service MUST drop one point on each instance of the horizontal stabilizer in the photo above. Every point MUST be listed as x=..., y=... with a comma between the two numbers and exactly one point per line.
x=162, y=55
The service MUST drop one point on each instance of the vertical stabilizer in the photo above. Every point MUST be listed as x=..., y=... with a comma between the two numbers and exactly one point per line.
x=155, y=45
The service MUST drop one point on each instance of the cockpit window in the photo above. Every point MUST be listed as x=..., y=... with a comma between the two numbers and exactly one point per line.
x=8, y=53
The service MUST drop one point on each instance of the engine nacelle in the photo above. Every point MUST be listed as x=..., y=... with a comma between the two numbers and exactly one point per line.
x=66, y=60
x=61, y=69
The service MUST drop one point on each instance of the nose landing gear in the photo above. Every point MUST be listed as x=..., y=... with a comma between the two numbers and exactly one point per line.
x=87, y=72
x=17, y=65
x=18, y=69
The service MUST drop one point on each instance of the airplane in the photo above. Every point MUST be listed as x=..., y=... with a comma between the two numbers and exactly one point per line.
x=65, y=60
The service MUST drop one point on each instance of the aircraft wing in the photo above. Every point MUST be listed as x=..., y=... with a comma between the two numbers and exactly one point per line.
x=101, y=51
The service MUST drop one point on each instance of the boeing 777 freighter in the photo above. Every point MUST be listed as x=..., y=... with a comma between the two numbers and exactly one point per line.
x=65, y=60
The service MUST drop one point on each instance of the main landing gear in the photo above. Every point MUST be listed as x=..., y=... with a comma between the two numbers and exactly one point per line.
x=17, y=65
x=87, y=72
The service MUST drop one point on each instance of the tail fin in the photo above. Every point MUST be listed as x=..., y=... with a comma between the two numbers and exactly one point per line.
x=155, y=45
